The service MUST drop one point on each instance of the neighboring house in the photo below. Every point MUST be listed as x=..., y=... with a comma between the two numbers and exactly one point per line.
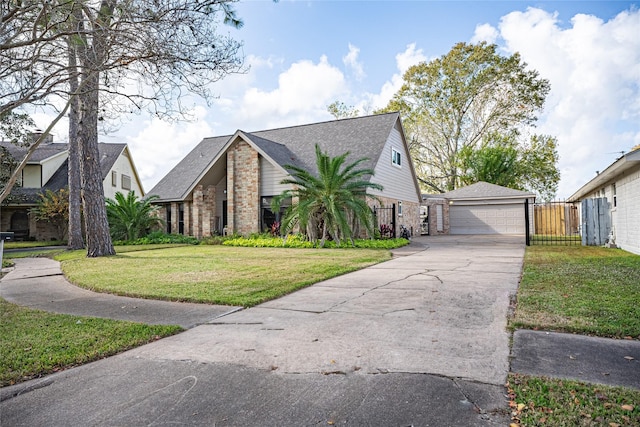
x=619, y=184
x=480, y=208
x=226, y=183
x=47, y=169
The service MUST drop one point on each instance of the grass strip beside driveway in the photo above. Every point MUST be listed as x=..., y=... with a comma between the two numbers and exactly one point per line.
x=34, y=343
x=586, y=290
x=552, y=402
x=580, y=289
x=213, y=274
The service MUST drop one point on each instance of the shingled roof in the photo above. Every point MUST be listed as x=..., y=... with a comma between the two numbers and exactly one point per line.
x=109, y=153
x=485, y=190
x=361, y=136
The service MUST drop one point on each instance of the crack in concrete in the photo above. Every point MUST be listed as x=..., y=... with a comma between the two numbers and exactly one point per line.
x=27, y=388
x=32, y=277
x=371, y=290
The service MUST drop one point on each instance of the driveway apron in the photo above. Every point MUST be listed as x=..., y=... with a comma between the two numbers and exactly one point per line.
x=433, y=319
x=440, y=311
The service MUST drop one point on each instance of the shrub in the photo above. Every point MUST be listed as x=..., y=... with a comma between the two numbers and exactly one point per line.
x=299, y=241
x=159, y=237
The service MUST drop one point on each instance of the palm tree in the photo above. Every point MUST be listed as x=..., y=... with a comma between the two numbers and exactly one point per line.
x=330, y=204
x=131, y=218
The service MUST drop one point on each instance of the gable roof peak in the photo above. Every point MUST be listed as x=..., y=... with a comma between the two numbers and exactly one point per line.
x=482, y=190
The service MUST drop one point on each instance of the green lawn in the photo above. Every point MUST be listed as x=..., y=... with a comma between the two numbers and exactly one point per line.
x=34, y=244
x=586, y=290
x=35, y=343
x=581, y=289
x=538, y=401
x=213, y=274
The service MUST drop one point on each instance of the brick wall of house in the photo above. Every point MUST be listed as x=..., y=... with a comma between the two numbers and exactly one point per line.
x=196, y=214
x=432, y=203
x=410, y=217
x=243, y=172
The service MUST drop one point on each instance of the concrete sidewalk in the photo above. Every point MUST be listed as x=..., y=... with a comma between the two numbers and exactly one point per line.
x=39, y=283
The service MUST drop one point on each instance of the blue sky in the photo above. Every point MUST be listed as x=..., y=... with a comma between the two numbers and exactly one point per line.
x=303, y=55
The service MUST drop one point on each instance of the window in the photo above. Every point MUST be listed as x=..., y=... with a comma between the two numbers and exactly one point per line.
x=399, y=208
x=114, y=178
x=126, y=182
x=396, y=157
x=615, y=199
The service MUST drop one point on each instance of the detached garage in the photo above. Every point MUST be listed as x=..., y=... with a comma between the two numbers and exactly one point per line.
x=484, y=208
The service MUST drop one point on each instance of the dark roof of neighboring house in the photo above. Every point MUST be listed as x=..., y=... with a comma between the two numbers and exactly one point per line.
x=109, y=153
x=361, y=136
x=485, y=190
x=43, y=152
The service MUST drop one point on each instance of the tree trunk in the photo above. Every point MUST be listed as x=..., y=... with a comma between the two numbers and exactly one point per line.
x=92, y=192
x=95, y=212
x=75, y=216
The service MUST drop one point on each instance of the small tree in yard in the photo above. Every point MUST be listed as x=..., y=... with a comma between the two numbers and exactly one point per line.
x=328, y=205
x=53, y=207
x=131, y=218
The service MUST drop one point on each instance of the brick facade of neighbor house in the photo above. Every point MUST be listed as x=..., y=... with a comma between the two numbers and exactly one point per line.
x=47, y=170
x=243, y=200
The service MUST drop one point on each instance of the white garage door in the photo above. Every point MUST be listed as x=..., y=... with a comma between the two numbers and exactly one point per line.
x=487, y=219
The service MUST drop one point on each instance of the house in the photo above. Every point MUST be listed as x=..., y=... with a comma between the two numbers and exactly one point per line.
x=226, y=183
x=619, y=186
x=47, y=169
x=480, y=208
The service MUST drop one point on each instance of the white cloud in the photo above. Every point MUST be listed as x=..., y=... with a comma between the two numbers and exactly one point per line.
x=593, y=67
x=303, y=93
x=485, y=33
x=350, y=60
x=159, y=145
x=404, y=60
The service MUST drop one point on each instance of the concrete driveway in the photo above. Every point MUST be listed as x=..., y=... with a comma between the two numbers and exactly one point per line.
x=418, y=340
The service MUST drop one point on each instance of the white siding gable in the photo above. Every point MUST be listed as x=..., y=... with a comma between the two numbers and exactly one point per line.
x=397, y=180
x=51, y=165
x=270, y=178
x=122, y=166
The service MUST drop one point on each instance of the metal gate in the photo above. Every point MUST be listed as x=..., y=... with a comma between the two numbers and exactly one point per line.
x=385, y=221
x=554, y=223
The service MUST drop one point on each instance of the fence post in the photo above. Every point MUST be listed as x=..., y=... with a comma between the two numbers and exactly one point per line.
x=393, y=217
x=527, y=232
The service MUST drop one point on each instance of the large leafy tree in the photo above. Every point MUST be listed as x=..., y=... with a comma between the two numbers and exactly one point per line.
x=130, y=217
x=451, y=103
x=331, y=203
x=501, y=160
x=340, y=110
x=103, y=58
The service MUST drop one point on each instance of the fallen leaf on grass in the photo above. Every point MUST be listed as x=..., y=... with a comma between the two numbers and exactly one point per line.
x=627, y=407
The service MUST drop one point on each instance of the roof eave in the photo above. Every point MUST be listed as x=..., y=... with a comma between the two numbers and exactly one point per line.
x=621, y=165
